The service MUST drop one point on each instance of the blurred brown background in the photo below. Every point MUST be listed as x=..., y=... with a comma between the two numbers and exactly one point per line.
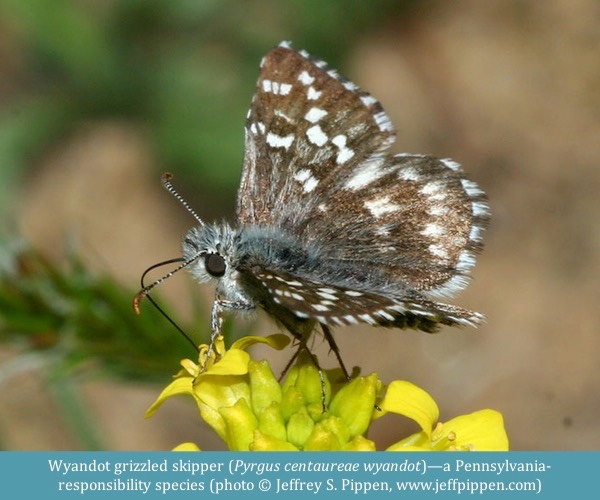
x=98, y=98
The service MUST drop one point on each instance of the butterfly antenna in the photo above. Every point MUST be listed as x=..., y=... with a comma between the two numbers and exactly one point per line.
x=166, y=181
x=144, y=292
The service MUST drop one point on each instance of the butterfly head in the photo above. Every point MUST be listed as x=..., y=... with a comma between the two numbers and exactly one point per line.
x=212, y=248
x=215, y=251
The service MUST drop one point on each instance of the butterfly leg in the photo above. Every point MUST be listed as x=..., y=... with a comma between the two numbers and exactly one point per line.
x=217, y=316
x=336, y=350
x=303, y=346
x=291, y=362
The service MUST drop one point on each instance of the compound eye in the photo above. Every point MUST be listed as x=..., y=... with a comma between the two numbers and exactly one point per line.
x=215, y=264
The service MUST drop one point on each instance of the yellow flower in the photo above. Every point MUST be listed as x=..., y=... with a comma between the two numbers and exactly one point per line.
x=250, y=410
x=479, y=431
x=222, y=388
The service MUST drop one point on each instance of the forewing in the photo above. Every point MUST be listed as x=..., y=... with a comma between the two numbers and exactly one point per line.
x=305, y=124
x=316, y=165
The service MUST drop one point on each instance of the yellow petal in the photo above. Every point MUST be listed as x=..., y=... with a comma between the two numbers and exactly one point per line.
x=213, y=418
x=482, y=430
x=178, y=386
x=277, y=341
x=415, y=442
x=189, y=368
x=233, y=362
x=187, y=447
x=222, y=391
x=413, y=402
x=219, y=345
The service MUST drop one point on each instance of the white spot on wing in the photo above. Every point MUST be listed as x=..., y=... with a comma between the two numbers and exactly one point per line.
x=302, y=175
x=313, y=94
x=383, y=122
x=433, y=230
x=438, y=210
x=398, y=308
x=316, y=135
x=328, y=302
x=306, y=178
x=344, y=153
x=480, y=209
x=434, y=190
x=305, y=79
x=315, y=114
x=381, y=206
x=285, y=88
x=350, y=85
x=475, y=233
x=276, y=88
x=385, y=314
x=465, y=261
x=432, y=187
x=326, y=295
x=367, y=318
x=350, y=319
x=438, y=251
x=409, y=174
x=450, y=287
x=277, y=141
x=367, y=100
x=451, y=164
x=471, y=188
x=365, y=175
x=310, y=184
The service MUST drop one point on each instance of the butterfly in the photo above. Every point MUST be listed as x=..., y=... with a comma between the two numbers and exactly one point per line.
x=332, y=229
